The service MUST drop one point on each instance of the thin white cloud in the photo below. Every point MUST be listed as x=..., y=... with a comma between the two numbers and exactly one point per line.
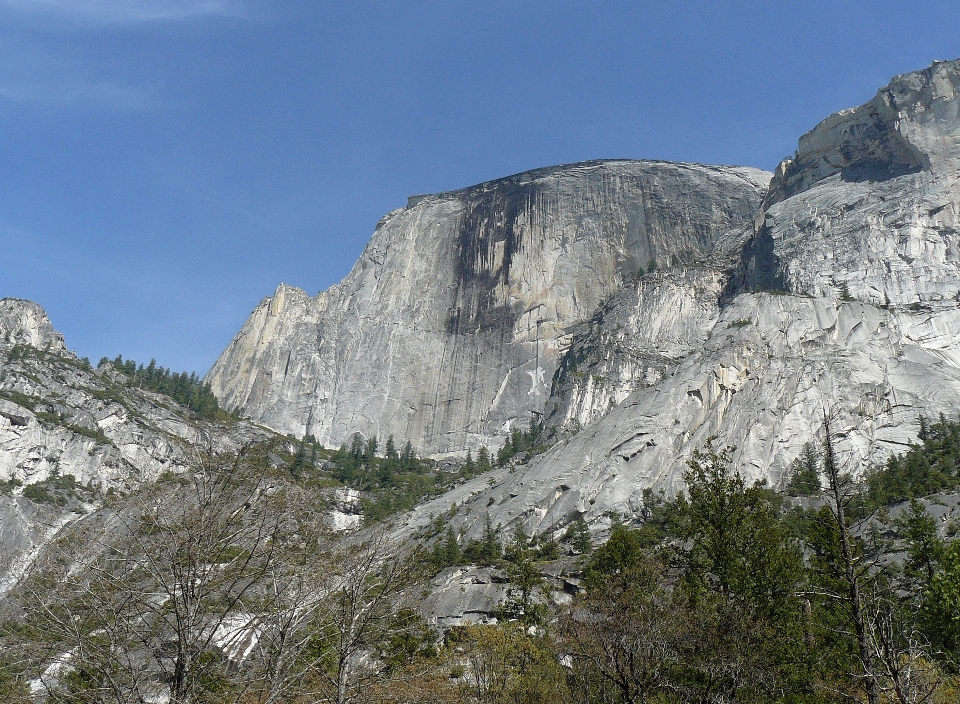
x=129, y=11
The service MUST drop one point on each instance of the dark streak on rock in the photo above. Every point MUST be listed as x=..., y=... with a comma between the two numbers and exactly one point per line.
x=491, y=218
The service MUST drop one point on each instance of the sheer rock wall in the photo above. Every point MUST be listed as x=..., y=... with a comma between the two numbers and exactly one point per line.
x=448, y=330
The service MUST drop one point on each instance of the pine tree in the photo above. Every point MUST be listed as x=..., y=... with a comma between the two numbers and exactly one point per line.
x=580, y=536
x=356, y=448
x=299, y=461
x=468, y=466
x=370, y=452
x=452, y=555
x=408, y=461
x=805, y=473
x=483, y=460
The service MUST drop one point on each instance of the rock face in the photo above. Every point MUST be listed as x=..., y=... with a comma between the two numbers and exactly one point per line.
x=835, y=291
x=869, y=203
x=866, y=209
x=451, y=325
x=26, y=323
x=59, y=417
x=759, y=383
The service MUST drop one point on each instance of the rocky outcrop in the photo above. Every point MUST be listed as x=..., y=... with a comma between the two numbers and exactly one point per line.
x=449, y=328
x=80, y=430
x=837, y=293
x=760, y=383
x=636, y=340
x=26, y=323
x=868, y=206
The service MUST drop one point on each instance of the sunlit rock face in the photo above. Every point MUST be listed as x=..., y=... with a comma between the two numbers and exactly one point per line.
x=59, y=417
x=869, y=204
x=450, y=327
x=834, y=291
x=26, y=323
x=843, y=302
x=759, y=383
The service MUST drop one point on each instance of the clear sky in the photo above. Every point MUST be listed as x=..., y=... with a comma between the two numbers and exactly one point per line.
x=164, y=164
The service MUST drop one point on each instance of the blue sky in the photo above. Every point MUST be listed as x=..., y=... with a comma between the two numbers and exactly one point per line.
x=164, y=164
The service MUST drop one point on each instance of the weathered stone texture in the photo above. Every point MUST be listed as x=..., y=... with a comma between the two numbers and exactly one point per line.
x=869, y=202
x=868, y=207
x=59, y=417
x=26, y=323
x=449, y=328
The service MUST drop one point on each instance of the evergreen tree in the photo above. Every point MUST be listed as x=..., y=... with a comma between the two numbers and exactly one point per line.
x=805, y=473
x=525, y=581
x=346, y=465
x=408, y=460
x=299, y=461
x=741, y=575
x=452, y=555
x=924, y=547
x=468, y=466
x=579, y=535
x=370, y=452
x=483, y=460
x=356, y=448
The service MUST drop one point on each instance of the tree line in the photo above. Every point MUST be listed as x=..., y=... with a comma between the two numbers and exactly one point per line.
x=185, y=388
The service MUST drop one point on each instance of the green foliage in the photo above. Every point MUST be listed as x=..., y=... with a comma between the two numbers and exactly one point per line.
x=25, y=400
x=924, y=548
x=57, y=489
x=7, y=487
x=941, y=609
x=187, y=389
x=618, y=556
x=805, y=473
x=446, y=552
x=923, y=470
x=579, y=536
x=526, y=582
x=395, y=481
x=522, y=441
x=487, y=550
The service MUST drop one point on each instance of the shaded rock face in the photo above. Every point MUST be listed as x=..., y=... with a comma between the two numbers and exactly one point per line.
x=451, y=325
x=634, y=341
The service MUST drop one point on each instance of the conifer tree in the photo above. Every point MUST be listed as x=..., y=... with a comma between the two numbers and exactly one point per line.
x=483, y=459
x=370, y=452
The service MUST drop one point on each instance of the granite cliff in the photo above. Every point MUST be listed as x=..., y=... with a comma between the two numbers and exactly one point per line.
x=832, y=290
x=448, y=330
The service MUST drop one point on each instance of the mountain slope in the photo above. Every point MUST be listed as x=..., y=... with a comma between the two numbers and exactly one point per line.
x=866, y=209
x=70, y=433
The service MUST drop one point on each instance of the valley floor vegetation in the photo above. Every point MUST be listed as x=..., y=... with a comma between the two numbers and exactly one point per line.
x=226, y=585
